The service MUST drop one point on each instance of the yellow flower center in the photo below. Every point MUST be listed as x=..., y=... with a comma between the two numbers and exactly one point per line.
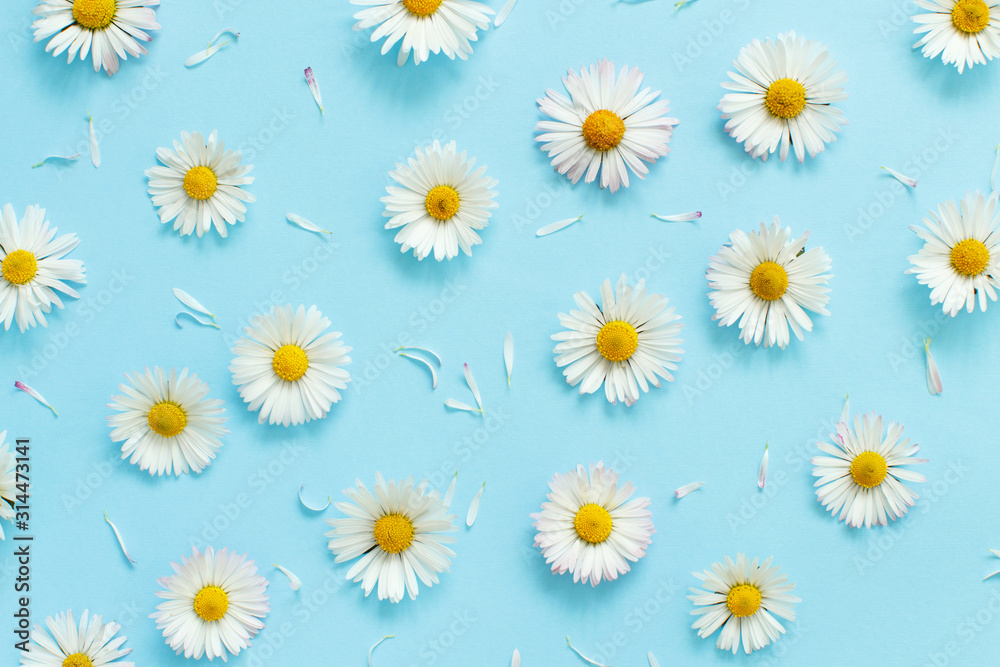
x=167, y=418
x=200, y=183
x=743, y=600
x=422, y=7
x=290, y=362
x=394, y=533
x=94, y=14
x=603, y=130
x=442, y=202
x=211, y=603
x=869, y=469
x=785, y=98
x=970, y=16
x=769, y=281
x=593, y=523
x=77, y=660
x=970, y=257
x=19, y=267
x=617, y=341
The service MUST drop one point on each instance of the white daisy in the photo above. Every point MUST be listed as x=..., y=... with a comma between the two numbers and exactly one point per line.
x=740, y=598
x=424, y=26
x=8, y=482
x=200, y=186
x=963, y=32
x=287, y=368
x=399, y=530
x=108, y=29
x=214, y=604
x=624, y=344
x=167, y=424
x=767, y=281
x=33, y=267
x=92, y=643
x=862, y=478
x=960, y=254
x=782, y=93
x=590, y=527
x=606, y=124
x=441, y=203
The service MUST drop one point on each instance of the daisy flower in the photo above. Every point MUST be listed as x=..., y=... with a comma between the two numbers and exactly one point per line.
x=590, y=527
x=400, y=532
x=214, y=604
x=167, y=424
x=767, y=281
x=740, y=597
x=287, y=368
x=606, y=124
x=92, y=643
x=959, y=258
x=424, y=26
x=108, y=29
x=862, y=478
x=624, y=344
x=200, y=186
x=33, y=267
x=782, y=93
x=963, y=32
x=8, y=481
x=440, y=203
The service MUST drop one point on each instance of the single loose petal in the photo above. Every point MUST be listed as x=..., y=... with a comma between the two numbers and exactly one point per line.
x=688, y=488
x=95, y=150
x=370, y=663
x=118, y=535
x=556, y=226
x=314, y=88
x=470, y=518
x=421, y=349
x=434, y=375
x=212, y=49
x=458, y=405
x=846, y=412
x=508, y=355
x=35, y=395
x=585, y=658
x=515, y=660
x=305, y=224
x=905, y=180
x=191, y=302
x=933, y=377
x=451, y=491
x=504, y=13
x=762, y=473
x=652, y=660
x=473, y=387
x=308, y=506
x=204, y=323
x=293, y=581
x=679, y=217
x=74, y=156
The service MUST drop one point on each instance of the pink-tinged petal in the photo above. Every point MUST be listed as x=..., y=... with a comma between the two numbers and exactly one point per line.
x=35, y=395
x=314, y=88
x=933, y=376
x=762, y=472
x=905, y=180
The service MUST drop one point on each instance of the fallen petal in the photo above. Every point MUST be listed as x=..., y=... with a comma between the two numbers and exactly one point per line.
x=458, y=405
x=652, y=660
x=370, y=664
x=680, y=217
x=556, y=226
x=35, y=395
x=905, y=180
x=504, y=13
x=309, y=507
x=95, y=150
x=434, y=375
x=933, y=376
x=75, y=156
x=473, y=387
x=305, y=224
x=421, y=349
x=314, y=88
x=585, y=658
x=470, y=518
x=688, y=488
x=508, y=355
x=450, y=493
x=118, y=536
x=762, y=473
x=204, y=323
x=293, y=581
x=191, y=302
x=212, y=49
x=846, y=412
x=515, y=660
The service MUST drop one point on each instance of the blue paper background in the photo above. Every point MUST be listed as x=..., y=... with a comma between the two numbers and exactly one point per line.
x=908, y=594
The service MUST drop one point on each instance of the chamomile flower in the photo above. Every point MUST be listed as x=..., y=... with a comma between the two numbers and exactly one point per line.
x=862, y=476
x=606, y=125
x=440, y=203
x=33, y=267
x=592, y=527
x=215, y=603
x=107, y=29
x=962, y=32
x=91, y=643
x=167, y=424
x=424, y=26
x=959, y=259
x=766, y=281
x=399, y=531
x=200, y=185
x=287, y=369
x=742, y=598
x=8, y=482
x=626, y=344
x=783, y=94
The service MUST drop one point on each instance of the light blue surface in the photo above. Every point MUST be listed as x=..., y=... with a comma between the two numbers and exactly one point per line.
x=908, y=594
